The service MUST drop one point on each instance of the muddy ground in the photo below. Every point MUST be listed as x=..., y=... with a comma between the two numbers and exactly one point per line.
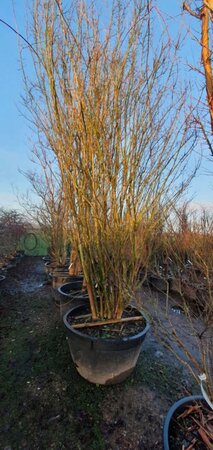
x=46, y=405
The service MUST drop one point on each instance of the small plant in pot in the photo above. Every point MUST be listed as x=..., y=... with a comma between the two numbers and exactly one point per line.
x=115, y=120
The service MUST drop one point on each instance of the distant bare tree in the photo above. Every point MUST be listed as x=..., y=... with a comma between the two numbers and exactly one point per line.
x=13, y=225
x=203, y=11
x=49, y=211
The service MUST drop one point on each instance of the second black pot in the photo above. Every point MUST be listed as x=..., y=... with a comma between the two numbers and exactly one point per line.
x=71, y=294
x=176, y=408
x=62, y=276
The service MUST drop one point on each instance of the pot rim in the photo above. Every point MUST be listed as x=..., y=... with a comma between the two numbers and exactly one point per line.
x=170, y=413
x=62, y=272
x=69, y=294
x=106, y=340
x=52, y=264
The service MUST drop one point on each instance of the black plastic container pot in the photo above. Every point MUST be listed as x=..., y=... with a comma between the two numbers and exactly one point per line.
x=2, y=278
x=176, y=408
x=11, y=265
x=50, y=266
x=71, y=294
x=101, y=360
x=46, y=258
x=61, y=276
x=73, y=286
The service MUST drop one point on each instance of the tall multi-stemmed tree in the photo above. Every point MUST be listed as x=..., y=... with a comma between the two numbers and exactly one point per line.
x=106, y=100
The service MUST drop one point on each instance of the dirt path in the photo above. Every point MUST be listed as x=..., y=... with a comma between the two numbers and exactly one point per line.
x=46, y=405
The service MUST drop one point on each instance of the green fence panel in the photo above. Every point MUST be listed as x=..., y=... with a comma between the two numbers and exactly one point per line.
x=33, y=244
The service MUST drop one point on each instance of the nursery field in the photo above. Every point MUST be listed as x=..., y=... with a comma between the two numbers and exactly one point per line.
x=47, y=405
x=118, y=136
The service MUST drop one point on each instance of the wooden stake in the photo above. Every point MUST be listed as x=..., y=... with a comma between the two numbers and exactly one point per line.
x=107, y=322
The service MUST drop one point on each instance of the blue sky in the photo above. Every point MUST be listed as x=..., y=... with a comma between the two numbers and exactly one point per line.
x=15, y=135
x=14, y=131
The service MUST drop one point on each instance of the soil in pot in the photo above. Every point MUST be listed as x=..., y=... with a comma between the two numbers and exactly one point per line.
x=191, y=427
x=112, y=330
x=105, y=353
